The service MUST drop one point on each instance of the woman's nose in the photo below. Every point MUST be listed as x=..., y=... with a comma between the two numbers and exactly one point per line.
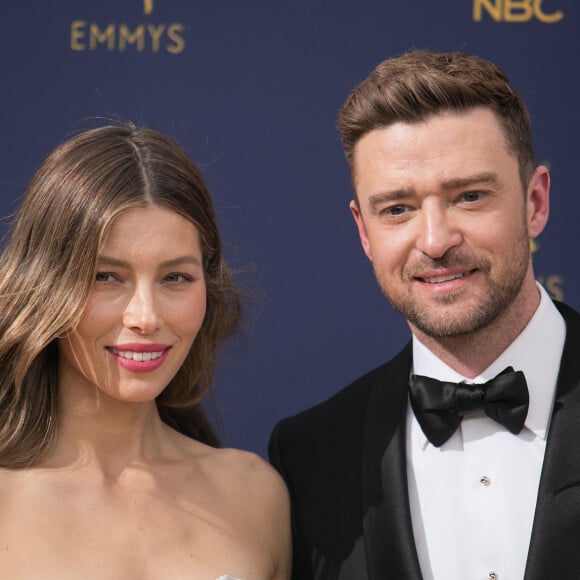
x=142, y=313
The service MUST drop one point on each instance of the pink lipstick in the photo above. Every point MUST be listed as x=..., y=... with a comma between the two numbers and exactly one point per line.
x=139, y=358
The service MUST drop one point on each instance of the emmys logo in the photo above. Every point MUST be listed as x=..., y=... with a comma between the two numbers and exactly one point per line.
x=553, y=282
x=514, y=11
x=120, y=36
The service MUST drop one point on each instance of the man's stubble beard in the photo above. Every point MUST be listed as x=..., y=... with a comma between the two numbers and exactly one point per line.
x=443, y=324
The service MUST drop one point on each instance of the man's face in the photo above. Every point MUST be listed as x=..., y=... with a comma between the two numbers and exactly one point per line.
x=442, y=216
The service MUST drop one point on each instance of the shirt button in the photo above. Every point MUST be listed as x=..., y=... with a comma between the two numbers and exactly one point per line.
x=484, y=480
x=492, y=576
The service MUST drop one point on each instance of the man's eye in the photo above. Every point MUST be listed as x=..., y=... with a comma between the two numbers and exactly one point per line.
x=471, y=196
x=396, y=210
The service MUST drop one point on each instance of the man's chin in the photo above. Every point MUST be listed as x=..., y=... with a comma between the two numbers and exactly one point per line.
x=448, y=317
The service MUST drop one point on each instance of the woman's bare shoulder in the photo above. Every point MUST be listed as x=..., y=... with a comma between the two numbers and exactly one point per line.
x=235, y=472
x=257, y=501
x=249, y=470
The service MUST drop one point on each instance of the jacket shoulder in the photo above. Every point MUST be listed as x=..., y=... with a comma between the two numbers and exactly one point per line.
x=347, y=407
x=569, y=314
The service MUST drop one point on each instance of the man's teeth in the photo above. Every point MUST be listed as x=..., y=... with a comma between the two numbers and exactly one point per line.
x=137, y=356
x=438, y=279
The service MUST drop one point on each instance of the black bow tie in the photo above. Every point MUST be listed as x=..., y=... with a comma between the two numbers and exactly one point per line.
x=440, y=406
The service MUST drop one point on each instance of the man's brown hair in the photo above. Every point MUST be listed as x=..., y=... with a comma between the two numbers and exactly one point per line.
x=420, y=84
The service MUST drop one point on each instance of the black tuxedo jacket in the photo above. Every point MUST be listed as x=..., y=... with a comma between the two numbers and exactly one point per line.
x=345, y=466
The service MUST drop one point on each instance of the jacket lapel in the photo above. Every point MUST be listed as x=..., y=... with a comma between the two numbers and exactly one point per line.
x=554, y=547
x=388, y=536
x=389, y=542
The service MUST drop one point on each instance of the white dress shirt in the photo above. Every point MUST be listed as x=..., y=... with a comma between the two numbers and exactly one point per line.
x=473, y=499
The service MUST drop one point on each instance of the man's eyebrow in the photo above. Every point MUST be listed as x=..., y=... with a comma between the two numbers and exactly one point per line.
x=485, y=178
x=181, y=260
x=377, y=199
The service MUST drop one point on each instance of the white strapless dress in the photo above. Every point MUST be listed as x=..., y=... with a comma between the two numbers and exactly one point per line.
x=226, y=578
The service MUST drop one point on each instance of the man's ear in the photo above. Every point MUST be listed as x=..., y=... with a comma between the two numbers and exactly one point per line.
x=362, y=231
x=538, y=201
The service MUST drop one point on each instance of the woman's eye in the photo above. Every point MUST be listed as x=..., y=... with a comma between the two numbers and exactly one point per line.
x=176, y=277
x=104, y=277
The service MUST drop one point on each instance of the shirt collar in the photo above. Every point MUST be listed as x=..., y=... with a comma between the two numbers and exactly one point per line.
x=536, y=351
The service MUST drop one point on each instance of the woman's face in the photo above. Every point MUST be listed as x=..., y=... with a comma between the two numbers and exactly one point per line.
x=145, y=309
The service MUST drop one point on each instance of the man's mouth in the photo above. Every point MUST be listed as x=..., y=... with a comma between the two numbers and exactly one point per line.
x=440, y=279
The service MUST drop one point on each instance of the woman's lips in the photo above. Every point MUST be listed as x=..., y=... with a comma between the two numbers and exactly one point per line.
x=140, y=358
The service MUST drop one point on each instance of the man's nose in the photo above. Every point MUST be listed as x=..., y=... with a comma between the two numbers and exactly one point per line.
x=438, y=231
